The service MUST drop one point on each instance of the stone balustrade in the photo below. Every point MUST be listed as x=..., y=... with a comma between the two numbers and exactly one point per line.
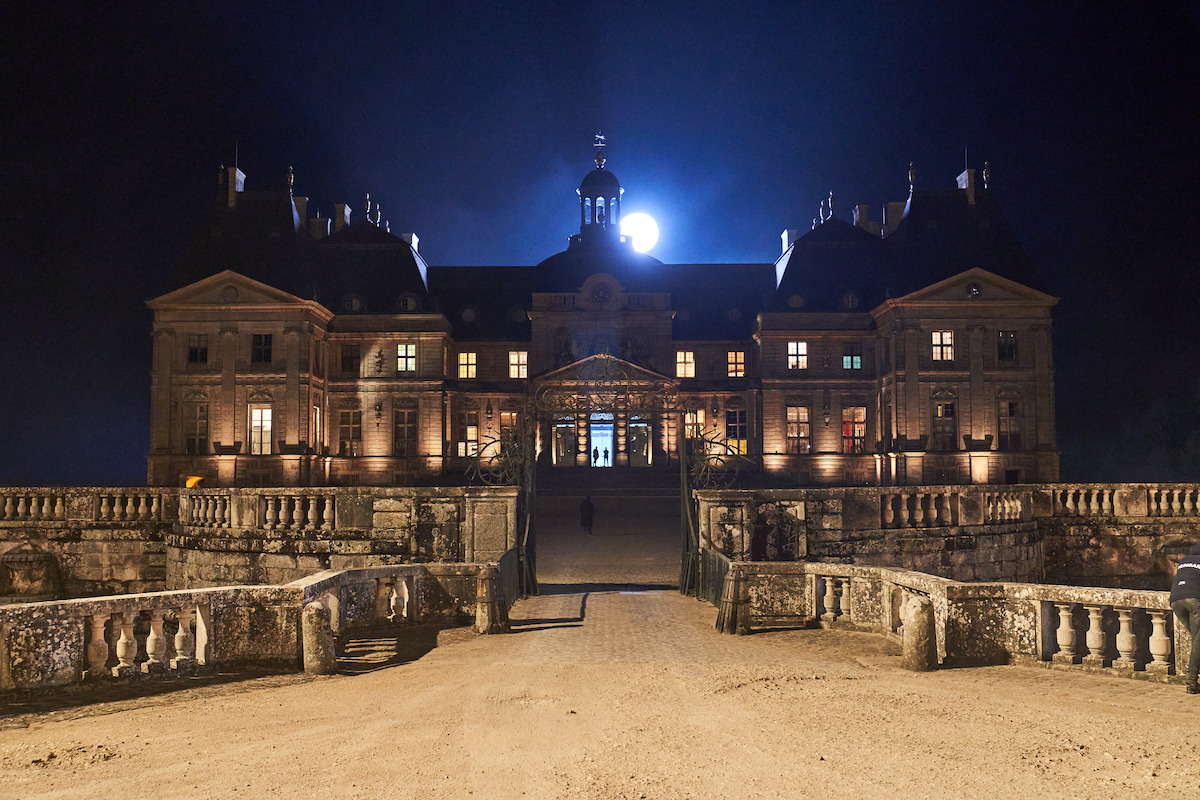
x=172, y=633
x=35, y=505
x=310, y=511
x=129, y=506
x=1083, y=501
x=1174, y=502
x=1118, y=631
x=1005, y=506
x=919, y=508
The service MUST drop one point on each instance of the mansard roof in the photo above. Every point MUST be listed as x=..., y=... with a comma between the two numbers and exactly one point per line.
x=830, y=262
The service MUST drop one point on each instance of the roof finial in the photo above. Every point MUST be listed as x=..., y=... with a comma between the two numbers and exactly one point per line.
x=368, y=206
x=377, y=214
x=814, y=227
x=912, y=177
x=831, y=203
x=291, y=178
x=987, y=174
x=599, y=143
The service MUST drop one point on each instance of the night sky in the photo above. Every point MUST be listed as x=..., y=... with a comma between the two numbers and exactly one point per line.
x=471, y=125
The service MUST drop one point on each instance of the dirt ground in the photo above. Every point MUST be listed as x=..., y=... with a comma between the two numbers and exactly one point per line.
x=610, y=692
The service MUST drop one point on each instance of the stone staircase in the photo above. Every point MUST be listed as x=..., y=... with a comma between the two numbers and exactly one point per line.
x=631, y=490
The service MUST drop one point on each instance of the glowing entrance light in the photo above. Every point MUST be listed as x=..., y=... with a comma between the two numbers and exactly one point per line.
x=642, y=229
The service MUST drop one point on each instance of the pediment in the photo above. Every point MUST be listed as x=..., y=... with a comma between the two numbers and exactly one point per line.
x=602, y=369
x=227, y=288
x=978, y=285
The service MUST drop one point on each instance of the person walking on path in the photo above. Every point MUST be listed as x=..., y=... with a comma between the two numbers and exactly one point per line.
x=587, y=513
x=1185, y=602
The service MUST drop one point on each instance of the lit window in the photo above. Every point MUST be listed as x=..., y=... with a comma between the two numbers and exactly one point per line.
x=1008, y=426
x=1006, y=348
x=685, y=364
x=404, y=432
x=468, y=433
x=316, y=438
x=260, y=430
x=799, y=435
x=349, y=433
x=406, y=358
x=735, y=430
x=797, y=355
x=737, y=364
x=466, y=365
x=260, y=348
x=854, y=429
x=351, y=359
x=852, y=355
x=944, y=429
x=518, y=363
x=693, y=423
x=198, y=348
x=943, y=345
x=508, y=429
x=195, y=428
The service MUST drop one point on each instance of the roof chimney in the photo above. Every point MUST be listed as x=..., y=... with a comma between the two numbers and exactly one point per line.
x=236, y=183
x=301, y=211
x=967, y=181
x=318, y=227
x=341, y=216
x=892, y=214
x=788, y=237
x=412, y=239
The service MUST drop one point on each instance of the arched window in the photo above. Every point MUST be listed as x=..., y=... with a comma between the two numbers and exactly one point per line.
x=587, y=211
x=600, y=219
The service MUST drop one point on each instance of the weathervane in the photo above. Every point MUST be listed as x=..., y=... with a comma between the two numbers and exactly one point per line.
x=599, y=144
x=987, y=174
x=291, y=178
x=912, y=177
x=368, y=206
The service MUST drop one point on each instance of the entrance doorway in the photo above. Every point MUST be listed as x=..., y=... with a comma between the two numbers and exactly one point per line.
x=600, y=430
x=639, y=442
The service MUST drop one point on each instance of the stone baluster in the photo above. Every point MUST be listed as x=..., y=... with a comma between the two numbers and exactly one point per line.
x=844, y=598
x=1176, y=505
x=314, y=513
x=34, y=507
x=185, y=643
x=1065, y=635
x=1189, y=508
x=9, y=508
x=205, y=515
x=130, y=508
x=1096, y=637
x=829, y=601
x=1160, y=643
x=1106, y=506
x=21, y=507
x=1093, y=508
x=939, y=510
x=97, y=649
x=1156, y=502
x=143, y=507
x=1126, y=641
x=272, y=512
x=126, y=645
x=156, y=507
x=327, y=501
x=219, y=511
x=889, y=516
x=60, y=508
x=286, y=515
x=918, y=509
x=156, y=645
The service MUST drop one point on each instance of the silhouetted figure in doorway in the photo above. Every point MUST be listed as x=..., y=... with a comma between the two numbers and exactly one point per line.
x=595, y=455
x=606, y=456
x=587, y=513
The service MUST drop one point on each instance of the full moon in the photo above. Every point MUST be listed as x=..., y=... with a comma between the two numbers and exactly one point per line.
x=642, y=229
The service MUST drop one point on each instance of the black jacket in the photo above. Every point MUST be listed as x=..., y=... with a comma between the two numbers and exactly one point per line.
x=1187, y=578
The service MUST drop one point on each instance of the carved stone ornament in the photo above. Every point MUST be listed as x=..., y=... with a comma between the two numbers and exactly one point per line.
x=230, y=294
x=260, y=396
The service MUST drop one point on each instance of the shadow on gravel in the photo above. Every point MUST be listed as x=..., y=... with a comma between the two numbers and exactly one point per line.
x=101, y=697
x=378, y=648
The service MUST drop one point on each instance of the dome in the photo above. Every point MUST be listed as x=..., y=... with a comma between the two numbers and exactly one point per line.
x=599, y=182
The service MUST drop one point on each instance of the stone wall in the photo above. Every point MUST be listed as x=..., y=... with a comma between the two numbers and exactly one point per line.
x=1119, y=535
x=275, y=536
x=102, y=540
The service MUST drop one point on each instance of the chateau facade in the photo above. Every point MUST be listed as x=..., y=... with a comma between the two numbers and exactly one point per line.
x=304, y=350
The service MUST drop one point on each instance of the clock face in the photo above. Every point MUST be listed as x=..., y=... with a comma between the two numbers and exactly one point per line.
x=974, y=291
x=601, y=293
